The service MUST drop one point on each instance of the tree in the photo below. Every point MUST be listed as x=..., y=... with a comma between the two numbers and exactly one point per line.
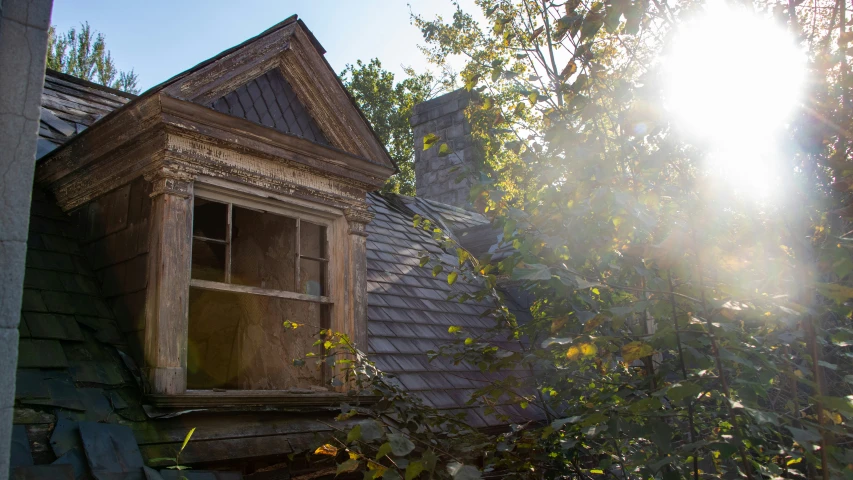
x=388, y=108
x=678, y=330
x=84, y=54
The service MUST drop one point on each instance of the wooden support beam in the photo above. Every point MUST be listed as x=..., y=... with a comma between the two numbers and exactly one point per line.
x=169, y=264
x=356, y=266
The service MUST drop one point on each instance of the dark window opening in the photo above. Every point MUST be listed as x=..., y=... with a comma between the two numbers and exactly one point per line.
x=252, y=271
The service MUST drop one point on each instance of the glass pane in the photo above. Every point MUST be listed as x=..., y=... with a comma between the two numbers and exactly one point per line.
x=312, y=240
x=208, y=261
x=238, y=341
x=312, y=277
x=263, y=251
x=209, y=219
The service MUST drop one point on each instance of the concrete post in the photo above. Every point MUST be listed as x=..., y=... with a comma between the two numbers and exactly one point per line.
x=23, y=44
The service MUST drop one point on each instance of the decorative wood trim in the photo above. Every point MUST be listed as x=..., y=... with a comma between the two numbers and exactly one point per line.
x=216, y=77
x=170, y=180
x=230, y=287
x=358, y=217
x=213, y=398
x=192, y=117
x=324, y=97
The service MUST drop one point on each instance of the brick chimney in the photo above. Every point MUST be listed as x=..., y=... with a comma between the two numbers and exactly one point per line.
x=436, y=176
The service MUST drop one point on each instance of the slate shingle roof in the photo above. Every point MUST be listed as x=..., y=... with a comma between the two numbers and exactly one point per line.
x=70, y=105
x=270, y=101
x=74, y=364
x=409, y=314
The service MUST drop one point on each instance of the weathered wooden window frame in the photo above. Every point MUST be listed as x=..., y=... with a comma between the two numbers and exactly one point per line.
x=346, y=285
x=275, y=209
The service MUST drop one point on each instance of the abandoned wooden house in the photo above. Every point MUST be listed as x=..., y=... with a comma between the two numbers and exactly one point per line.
x=172, y=233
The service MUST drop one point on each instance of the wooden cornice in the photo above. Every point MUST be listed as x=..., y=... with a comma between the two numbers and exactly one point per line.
x=217, y=399
x=202, y=141
x=319, y=89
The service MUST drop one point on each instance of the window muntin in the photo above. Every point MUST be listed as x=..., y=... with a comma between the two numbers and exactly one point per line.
x=252, y=270
x=239, y=245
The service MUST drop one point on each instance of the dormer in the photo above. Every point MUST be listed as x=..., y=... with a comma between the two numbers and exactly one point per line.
x=220, y=205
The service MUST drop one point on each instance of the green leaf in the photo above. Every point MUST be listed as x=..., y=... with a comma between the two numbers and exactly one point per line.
x=414, y=469
x=400, y=444
x=558, y=424
x=679, y=392
x=582, y=283
x=804, y=437
x=444, y=150
x=436, y=270
x=429, y=460
x=430, y=139
x=451, y=278
x=532, y=272
x=842, y=404
x=391, y=474
x=349, y=466
x=726, y=449
x=471, y=82
x=454, y=329
x=463, y=472
x=636, y=350
x=509, y=227
x=463, y=255
x=833, y=291
x=354, y=434
x=371, y=430
x=384, y=449
x=661, y=434
x=424, y=260
x=187, y=439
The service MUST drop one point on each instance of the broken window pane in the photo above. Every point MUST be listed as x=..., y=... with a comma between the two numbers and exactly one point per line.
x=208, y=261
x=238, y=341
x=263, y=250
x=312, y=240
x=210, y=219
x=312, y=278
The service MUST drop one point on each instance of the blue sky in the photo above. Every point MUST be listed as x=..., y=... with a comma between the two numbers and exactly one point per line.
x=160, y=38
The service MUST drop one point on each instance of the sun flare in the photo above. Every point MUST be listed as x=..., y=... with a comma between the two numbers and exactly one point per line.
x=733, y=79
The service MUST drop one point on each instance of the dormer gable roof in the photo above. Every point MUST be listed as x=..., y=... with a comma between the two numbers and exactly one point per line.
x=290, y=50
x=273, y=95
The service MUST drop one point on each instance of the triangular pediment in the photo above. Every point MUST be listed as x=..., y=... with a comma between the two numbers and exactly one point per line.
x=280, y=79
x=270, y=100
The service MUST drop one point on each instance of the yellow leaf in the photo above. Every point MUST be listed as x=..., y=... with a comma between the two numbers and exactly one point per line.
x=573, y=353
x=636, y=350
x=326, y=449
x=187, y=438
x=588, y=349
x=581, y=350
x=570, y=70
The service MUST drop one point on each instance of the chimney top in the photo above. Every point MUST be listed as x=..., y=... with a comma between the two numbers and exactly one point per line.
x=446, y=179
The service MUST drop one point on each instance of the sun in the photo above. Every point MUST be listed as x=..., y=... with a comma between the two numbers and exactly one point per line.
x=732, y=80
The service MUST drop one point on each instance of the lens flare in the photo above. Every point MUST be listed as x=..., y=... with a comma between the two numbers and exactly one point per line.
x=732, y=80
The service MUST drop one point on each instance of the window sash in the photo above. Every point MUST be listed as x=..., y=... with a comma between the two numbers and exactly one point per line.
x=227, y=286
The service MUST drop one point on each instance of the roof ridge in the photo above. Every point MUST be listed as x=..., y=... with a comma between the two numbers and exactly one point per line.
x=86, y=83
